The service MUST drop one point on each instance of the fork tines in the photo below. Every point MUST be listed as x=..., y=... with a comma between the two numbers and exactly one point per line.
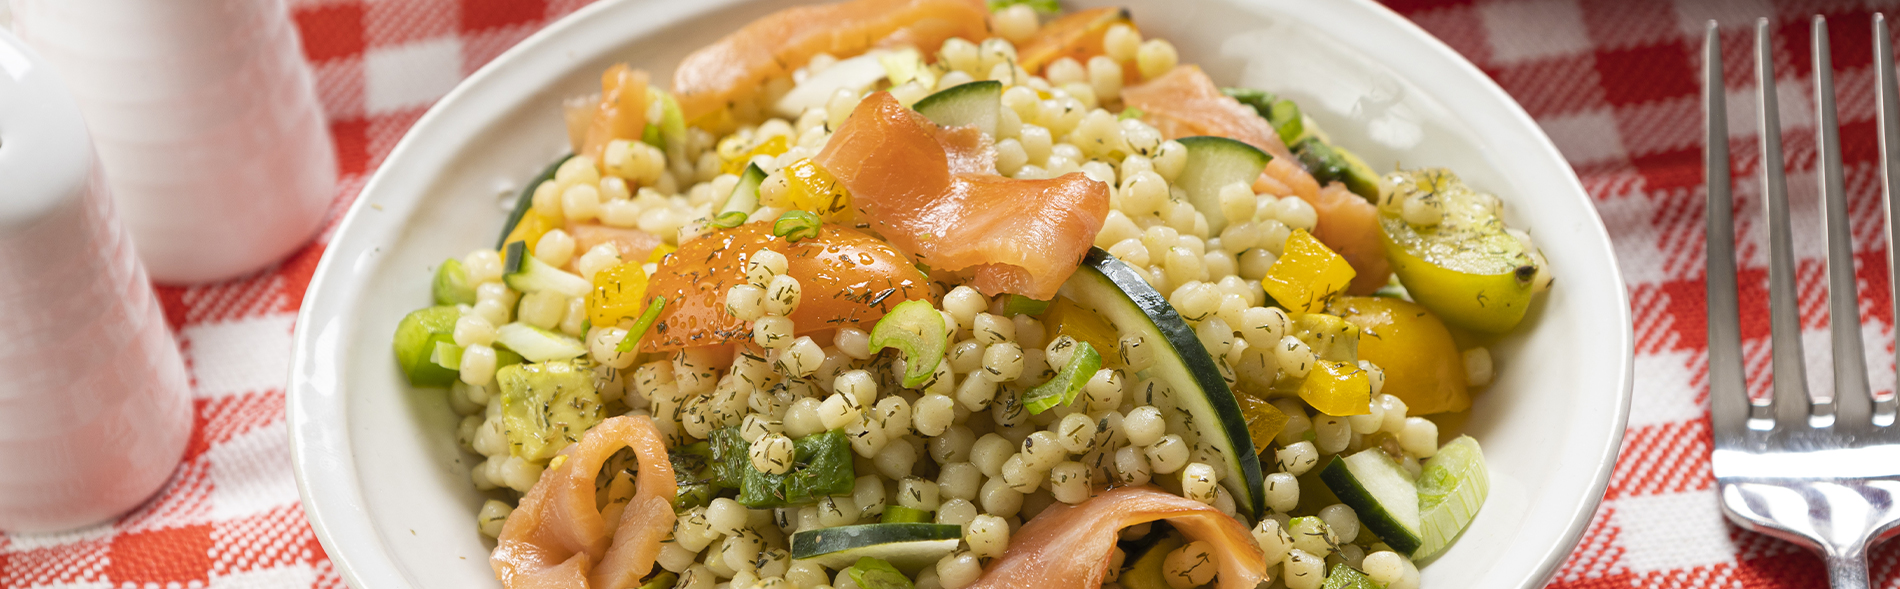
x=1851, y=407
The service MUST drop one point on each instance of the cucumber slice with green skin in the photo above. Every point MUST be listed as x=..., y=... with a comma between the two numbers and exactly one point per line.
x=744, y=199
x=909, y=547
x=451, y=285
x=417, y=337
x=526, y=200
x=1380, y=493
x=978, y=104
x=538, y=345
x=1116, y=292
x=898, y=514
x=536, y=275
x=1328, y=163
x=1451, y=488
x=1213, y=163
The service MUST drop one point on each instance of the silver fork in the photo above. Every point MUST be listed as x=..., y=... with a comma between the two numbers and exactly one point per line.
x=1820, y=473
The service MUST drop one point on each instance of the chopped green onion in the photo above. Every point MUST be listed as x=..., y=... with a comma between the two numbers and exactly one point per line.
x=898, y=514
x=451, y=285
x=916, y=329
x=1062, y=389
x=729, y=219
x=641, y=326
x=1344, y=576
x=1130, y=113
x=795, y=225
x=1022, y=305
x=872, y=573
x=447, y=355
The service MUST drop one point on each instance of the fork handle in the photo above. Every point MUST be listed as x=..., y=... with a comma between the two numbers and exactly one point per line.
x=1849, y=570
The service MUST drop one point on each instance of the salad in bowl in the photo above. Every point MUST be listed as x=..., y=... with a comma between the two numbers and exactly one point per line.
x=951, y=294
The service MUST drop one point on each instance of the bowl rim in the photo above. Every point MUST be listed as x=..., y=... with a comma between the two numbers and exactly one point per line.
x=333, y=506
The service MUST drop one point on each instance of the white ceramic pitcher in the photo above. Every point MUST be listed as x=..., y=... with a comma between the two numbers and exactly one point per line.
x=205, y=118
x=95, y=406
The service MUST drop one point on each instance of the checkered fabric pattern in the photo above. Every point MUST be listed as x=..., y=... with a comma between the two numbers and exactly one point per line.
x=1612, y=81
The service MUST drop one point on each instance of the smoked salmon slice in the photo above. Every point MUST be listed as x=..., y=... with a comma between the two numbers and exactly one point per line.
x=621, y=112
x=1069, y=546
x=733, y=69
x=557, y=538
x=934, y=193
x=846, y=279
x=1185, y=102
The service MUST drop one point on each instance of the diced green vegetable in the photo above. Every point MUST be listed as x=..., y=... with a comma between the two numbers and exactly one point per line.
x=538, y=345
x=1212, y=164
x=417, y=336
x=898, y=514
x=1068, y=381
x=1022, y=305
x=905, y=546
x=547, y=405
x=1042, y=6
x=744, y=199
x=1380, y=493
x=821, y=466
x=917, y=330
x=1148, y=570
x=873, y=573
x=1451, y=488
x=1346, y=577
x=693, y=475
x=451, y=285
x=535, y=275
x=976, y=104
x=1329, y=163
x=447, y=355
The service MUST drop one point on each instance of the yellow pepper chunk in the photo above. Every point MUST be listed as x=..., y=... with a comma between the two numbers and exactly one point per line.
x=530, y=229
x=660, y=252
x=1064, y=317
x=812, y=188
x=619, y=293
x=737, y=163
x=1264, y=421
x=1338, y=389
x=1307, y=275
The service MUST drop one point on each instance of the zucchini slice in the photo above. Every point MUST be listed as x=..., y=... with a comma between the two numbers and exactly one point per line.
x=1380, y=493
x=1112, y=289
x=1451, y=488
x=1213, y=163
x=908, y=546
x=538, y=345
x=973, y=103
x=744, y=199
x=536, y=275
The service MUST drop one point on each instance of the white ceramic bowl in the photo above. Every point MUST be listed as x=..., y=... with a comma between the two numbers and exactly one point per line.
x=387, y=489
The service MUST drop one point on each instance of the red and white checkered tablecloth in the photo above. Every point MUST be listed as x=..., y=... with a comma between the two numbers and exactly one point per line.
x=1612, y=81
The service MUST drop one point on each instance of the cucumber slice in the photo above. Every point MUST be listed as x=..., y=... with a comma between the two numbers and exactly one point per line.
x=974, y=103
x=744, y=199
x=1213, y=163
x=909, y=547
x=451, y=285
x=1451, y=488
x=536, y=275
x=1115, y=291
x=1380, y=493
x=526, y=200
x=898, y=514
x=418, y=336
x=538, y=345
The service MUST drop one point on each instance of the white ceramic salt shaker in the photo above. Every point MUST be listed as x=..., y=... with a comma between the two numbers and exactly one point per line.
x=95, y=406
x=205, y=118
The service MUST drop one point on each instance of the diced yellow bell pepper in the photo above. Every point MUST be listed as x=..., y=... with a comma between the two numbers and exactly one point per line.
x=530, y=229
x=1338, y=389
x=1264, y=421
x=619, y=292
x=772, y=147
x=1064, y=317
x=660, y=252
x=814, y=189
x=1307, y=275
